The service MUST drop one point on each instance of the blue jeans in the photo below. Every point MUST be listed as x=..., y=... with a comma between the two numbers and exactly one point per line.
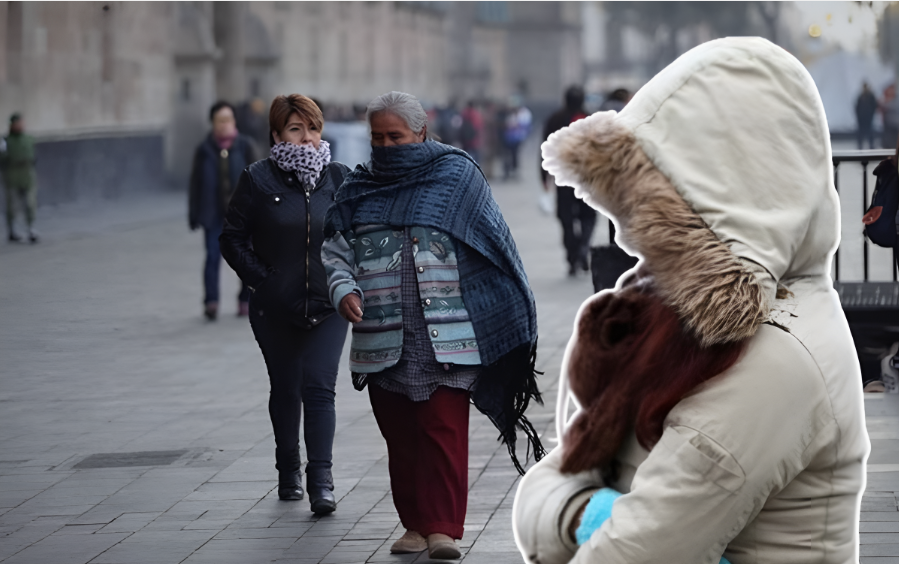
x=302, y=369
x=213, y=265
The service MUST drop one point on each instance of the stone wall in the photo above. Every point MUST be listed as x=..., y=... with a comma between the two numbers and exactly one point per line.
x=544, y=51
x=75, y=66
x=350, y=52
x=106, y=167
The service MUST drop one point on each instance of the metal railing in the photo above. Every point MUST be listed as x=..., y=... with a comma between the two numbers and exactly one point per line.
x=864, y=158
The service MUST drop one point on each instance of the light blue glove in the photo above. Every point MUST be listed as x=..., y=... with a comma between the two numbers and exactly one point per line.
x=598, y=510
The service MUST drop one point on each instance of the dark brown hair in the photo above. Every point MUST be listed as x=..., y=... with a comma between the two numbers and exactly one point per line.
x=218, y=106
x=285, y=106
x=632, y=362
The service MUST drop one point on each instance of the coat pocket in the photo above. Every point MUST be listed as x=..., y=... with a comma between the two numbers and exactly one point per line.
x=705, y=457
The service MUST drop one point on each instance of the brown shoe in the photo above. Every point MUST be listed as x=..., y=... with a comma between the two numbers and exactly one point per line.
x=874, y=387
x=441, y=547
x=409, y=543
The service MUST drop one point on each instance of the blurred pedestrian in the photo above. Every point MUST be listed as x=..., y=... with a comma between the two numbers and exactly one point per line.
x=420, y=259
x=19, y=178
x=449, y=125
x=865, y=108
x=517, y=128
x=252, y=122
x=472, y=131
x=616, y=100
x=218, y=162
x=890, y=110
x=490, y=140
x=577, y=217
x=499, y=133
x=272, y=238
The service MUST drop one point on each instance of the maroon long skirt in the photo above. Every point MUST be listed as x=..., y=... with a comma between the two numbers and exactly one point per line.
x=427, y=449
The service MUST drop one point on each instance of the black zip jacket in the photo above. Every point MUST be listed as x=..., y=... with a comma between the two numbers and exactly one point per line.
x=273, y=237
x=207, y=202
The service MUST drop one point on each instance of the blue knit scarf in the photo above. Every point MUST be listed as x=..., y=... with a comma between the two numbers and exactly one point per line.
x=434, y=185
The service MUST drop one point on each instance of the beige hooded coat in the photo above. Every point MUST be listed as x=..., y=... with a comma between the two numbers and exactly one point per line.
x=718, y=175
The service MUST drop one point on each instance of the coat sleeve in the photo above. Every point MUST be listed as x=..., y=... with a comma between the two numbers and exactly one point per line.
x=545, y=504
x=193, y=193
x=666, y=517
x=687, y=501
x=339, y=261
x=236, y=238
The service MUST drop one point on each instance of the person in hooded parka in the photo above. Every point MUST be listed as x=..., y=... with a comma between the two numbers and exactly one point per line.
x=745, y=438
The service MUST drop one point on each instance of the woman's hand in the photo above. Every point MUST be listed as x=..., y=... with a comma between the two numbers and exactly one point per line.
x=351, y=308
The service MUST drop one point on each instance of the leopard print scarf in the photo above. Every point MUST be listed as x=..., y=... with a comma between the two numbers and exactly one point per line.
x=305, y=160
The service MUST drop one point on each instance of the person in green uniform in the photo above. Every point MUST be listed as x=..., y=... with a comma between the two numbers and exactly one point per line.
x=17, y=165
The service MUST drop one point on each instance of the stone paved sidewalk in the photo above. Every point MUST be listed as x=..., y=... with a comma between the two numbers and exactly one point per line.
x=103, y=350
x=880, y=519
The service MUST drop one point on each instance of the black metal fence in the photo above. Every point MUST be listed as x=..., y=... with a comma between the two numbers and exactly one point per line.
x=864, y=158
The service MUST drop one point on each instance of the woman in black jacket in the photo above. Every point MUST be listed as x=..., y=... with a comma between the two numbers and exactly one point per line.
x=272, y=238
x=218, y=162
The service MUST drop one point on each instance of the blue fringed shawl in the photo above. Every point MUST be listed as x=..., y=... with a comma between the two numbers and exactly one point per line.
x=434, y=185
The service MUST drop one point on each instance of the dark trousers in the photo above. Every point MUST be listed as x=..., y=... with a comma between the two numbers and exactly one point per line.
x=20, y=192
x=302, y=369
x=866, y=133
x=890, y=136
x=578, y=220
x=212, y=266
x=427, y=451
x=510, y=159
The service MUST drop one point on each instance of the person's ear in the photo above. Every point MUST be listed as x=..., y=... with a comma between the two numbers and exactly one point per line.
x=424, y=134
x=276, y=137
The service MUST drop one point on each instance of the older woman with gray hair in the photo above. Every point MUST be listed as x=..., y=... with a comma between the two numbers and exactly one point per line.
x=421, y=261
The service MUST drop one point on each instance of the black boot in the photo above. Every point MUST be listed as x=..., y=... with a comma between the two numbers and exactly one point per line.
x=288, y=465
x=320, y=485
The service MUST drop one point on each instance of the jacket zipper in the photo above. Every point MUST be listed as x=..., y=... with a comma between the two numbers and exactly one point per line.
x=308, y=242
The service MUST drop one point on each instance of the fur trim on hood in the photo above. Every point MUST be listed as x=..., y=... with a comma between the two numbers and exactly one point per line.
x=718, y=299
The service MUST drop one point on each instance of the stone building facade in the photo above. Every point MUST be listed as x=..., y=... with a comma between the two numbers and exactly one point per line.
x=118, y=92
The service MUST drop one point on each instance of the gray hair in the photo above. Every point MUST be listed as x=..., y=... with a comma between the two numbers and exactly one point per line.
x=405, y=106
